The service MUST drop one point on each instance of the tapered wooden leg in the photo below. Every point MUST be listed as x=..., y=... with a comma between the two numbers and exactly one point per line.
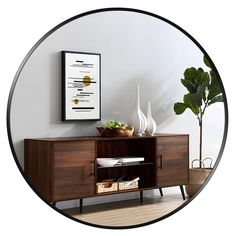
x=161, y=193
x=141, y=196
x=81, y=205
x=182, y=191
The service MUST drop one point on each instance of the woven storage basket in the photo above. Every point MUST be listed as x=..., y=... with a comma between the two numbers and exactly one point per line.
x=127, y=185
x=107, y=186
x=197, y=177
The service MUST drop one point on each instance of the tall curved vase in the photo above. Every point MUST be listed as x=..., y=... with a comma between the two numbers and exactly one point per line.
x=151, y=124
x=138, y=119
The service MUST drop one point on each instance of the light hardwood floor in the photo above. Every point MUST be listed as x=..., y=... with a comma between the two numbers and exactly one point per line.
x=127, y=213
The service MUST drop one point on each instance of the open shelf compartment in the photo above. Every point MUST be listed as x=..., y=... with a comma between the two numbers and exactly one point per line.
x=128, y=148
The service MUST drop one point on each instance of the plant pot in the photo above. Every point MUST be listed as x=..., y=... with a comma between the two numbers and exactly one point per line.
x=197, y=177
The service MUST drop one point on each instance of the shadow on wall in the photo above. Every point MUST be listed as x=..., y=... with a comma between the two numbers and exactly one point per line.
x=19, y=146
x=55, y=88
x=87, y=128
x=155, y=91
x=161, y=97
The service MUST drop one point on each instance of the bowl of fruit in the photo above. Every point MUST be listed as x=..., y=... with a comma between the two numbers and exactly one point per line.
x=115, y=128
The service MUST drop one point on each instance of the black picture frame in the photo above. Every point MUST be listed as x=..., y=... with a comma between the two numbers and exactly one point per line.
x=81, y=86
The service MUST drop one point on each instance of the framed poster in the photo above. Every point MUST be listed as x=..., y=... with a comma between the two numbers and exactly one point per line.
x=81, y=86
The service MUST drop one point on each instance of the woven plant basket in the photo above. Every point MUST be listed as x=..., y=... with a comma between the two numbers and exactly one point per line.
x=197, y=176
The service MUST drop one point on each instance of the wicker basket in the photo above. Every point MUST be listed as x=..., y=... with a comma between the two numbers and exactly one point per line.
x=107, y=186
x=197, y=177
x=127, y=185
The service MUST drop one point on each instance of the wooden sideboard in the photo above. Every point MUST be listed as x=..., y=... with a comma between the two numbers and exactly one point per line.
x=61, y=169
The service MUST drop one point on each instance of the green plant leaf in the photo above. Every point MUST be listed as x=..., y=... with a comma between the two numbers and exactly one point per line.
x=201, y=90
x=214, y=86
x=206, y=61
x=112, y=124
x=213, y=74
x=191, y=74
x=216, y=99
x=193, y=101
x=202, y=86
x=189, y=85
x=179, y=108
x=203, y=77
x=200, y=70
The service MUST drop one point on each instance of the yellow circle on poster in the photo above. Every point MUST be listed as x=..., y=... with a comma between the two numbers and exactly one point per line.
x=76, y=101
x=86, y=80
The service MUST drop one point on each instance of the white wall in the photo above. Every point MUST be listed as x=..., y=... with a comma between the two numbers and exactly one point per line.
x=135, y=49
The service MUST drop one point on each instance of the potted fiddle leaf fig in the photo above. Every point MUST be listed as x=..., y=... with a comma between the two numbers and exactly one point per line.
x=203, y=91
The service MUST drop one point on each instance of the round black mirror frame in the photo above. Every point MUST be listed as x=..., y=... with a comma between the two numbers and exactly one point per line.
x=89, y=13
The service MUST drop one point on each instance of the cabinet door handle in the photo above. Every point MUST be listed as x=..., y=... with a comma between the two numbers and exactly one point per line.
x=161, y=162
x=94, y=167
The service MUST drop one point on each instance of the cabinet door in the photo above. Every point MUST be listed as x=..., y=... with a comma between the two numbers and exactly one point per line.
x=172, y=160
x=74, y=170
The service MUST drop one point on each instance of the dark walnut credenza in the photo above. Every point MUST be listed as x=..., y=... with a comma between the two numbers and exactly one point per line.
x=65, y=168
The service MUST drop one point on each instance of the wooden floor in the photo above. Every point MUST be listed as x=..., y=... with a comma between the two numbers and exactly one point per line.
x=130, y=212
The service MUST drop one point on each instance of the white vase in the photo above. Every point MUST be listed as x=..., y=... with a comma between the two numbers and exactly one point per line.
x=138, y=119
x=151, y=124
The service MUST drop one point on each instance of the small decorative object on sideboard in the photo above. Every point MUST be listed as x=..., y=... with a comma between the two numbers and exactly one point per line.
x=109, y=162
x=106, y=162
x=138, y=119
x=115, y=128
x=151, y=124
x=133, y=159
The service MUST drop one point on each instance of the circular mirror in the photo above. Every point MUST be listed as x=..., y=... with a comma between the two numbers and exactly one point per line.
x=152, y=89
